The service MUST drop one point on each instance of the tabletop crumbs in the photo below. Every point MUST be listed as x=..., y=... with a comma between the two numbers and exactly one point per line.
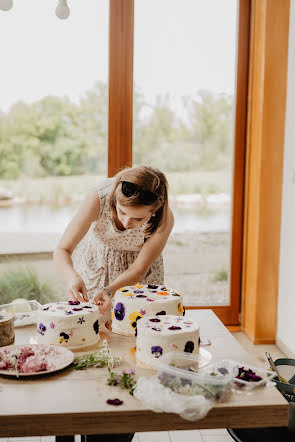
x=114, y=401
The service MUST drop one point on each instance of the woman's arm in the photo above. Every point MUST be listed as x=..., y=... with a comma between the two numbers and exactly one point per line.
x=87, y=213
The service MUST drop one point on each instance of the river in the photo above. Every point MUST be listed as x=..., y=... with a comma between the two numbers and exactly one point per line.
x=54, y=219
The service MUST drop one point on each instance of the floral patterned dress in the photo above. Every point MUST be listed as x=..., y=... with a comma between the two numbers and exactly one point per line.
x=105, y=251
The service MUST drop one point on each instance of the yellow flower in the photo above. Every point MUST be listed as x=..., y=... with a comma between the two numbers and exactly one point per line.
x=140, y=286
x=180, y=308
x=128, y=294
x=134, y=316
x=162, y=293
x=112, y=314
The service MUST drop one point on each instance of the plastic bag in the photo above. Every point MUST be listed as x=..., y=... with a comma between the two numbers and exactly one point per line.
x=160, y=399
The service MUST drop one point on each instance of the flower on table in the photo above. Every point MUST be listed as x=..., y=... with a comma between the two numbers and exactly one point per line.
x=81, y=320
x=114, y=402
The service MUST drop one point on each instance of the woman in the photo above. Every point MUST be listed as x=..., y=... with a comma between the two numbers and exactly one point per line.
x=117, y=236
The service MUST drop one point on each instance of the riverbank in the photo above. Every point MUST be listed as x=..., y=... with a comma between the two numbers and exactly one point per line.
x=61, y=190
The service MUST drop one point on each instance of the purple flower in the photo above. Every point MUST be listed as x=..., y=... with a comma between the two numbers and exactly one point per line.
x=74, y=302
x=150, y=299
x=138, y=291
x=96, y=327
x=46, y=308
x=162, y=312
x=140, y=296
x=119, y=311
x=87, y=306
x=157, y=351
x=68, y=312
x=174, y=327
x=76, y=309
x=189, y=347
x=114, y=402
x=151, y=286
x=81, y=320
x=155, y=320
x=131, y=371
x=60, y=307
x=142, y=312
x=41, y=329
x=52, y=325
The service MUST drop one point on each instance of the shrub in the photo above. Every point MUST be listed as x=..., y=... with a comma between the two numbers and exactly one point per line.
x=23, y=282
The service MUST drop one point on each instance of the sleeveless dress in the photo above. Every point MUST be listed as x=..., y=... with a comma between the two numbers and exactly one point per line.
x=105, y=251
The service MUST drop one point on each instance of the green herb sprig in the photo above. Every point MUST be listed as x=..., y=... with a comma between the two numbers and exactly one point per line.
x=102, y=358
x=125, y=380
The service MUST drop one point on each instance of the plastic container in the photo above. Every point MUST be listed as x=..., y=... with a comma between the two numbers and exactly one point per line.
x=266, y=376
x=181, y=373
x=25, y=312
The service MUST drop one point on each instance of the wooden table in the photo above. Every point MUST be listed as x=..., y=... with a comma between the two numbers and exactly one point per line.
x=74, y=402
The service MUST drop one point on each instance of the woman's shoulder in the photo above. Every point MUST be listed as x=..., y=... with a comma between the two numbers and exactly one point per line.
x=105, y=187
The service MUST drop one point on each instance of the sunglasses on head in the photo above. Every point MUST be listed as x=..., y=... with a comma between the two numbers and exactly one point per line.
x=145, y=196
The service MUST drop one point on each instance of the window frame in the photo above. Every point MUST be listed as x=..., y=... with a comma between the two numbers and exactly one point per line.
x=121, y=120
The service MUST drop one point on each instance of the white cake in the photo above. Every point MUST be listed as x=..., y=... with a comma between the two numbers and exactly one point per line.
x=132, y=303
x=158, y=335
x=71, y=324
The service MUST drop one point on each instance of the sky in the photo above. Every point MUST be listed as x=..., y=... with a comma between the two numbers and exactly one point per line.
x=180, y=47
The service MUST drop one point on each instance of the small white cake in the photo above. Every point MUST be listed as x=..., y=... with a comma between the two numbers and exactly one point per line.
x=158, y=335
x=71, y=324
x=132, y=303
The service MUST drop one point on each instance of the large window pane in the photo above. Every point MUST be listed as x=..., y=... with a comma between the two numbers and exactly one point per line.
x=53, y=102
x=184, y=87
x=53, y=125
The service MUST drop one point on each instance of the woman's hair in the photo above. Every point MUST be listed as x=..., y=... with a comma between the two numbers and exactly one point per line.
x=147, y=178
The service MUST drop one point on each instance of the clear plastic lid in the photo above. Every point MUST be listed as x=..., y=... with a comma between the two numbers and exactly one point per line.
x=189, y=366
x=25, y=312
x=265, y=375
x=181, y=372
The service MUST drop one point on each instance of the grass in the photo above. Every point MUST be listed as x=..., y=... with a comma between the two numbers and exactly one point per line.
x=23, y=282
x=220, y=276
x=67, y=189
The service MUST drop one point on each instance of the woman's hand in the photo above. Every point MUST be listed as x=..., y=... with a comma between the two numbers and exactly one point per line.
x=103, y=301
x=76, y=290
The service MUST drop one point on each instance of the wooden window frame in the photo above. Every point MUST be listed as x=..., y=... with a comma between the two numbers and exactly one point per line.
x=258, y=153
x=264, y=167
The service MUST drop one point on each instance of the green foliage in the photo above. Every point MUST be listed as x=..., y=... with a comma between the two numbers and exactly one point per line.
x=23, y=282
x=125, y=380
x=221, y=275
x=55, y=137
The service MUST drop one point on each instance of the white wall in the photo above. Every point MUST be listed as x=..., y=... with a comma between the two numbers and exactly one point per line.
x=286, y=302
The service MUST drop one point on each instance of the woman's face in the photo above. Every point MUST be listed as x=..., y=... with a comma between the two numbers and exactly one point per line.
x=134, y=216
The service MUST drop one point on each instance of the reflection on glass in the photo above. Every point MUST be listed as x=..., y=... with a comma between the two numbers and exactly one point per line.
x=184, y=85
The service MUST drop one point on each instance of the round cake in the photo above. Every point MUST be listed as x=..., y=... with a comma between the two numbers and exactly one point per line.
x=71, y=324
x=159, y=335
x=132, y=303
